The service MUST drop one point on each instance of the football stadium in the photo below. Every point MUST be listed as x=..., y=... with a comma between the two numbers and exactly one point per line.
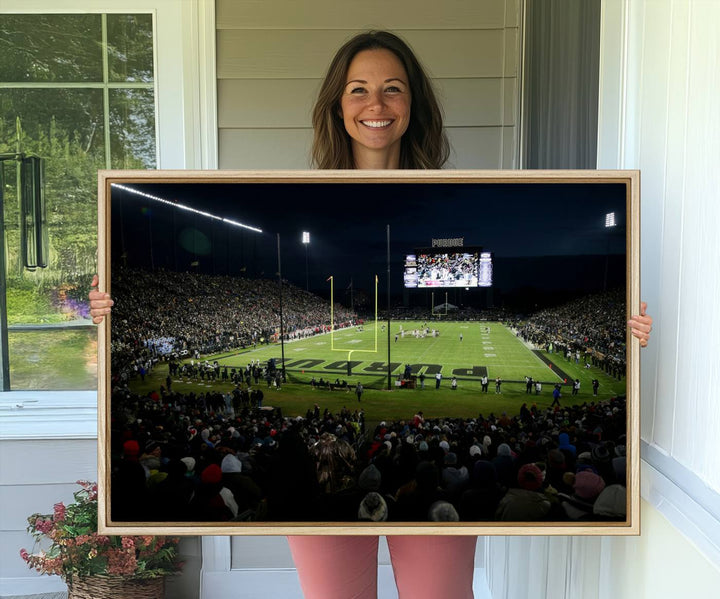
x=417, y=367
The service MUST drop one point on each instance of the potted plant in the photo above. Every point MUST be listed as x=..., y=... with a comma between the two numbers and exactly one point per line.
x=125, y=567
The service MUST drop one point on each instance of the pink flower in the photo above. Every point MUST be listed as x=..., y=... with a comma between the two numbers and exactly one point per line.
x=59, y=512
x=121, y=562
x=128, y=543
x=24, y=555
x=43, y=526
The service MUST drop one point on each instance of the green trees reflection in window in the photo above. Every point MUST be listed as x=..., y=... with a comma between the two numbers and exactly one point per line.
x=78, y=91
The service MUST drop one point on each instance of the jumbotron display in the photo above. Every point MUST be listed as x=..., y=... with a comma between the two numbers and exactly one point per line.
x=455, y=267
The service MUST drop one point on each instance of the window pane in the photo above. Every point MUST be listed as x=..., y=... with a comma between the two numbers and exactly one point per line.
x=130, y=47
x=51, y=118
x=132, y=128
x=54, y=359
x=37, y=48
x=65, y=128
x=52, y=343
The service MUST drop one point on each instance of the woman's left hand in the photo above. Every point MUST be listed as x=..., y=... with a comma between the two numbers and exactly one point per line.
x=100, y=302
x=641, y=325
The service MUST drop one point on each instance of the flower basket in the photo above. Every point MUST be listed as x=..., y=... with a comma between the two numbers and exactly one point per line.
x=96, y=566
x=116, y=587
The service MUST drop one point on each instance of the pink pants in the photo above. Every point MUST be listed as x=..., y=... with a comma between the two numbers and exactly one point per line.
x=425, y=567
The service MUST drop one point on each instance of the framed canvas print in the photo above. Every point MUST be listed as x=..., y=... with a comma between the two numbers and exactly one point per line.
x=363, y=352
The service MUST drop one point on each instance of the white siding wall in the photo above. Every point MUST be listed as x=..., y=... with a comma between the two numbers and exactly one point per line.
x=36, y=474
x=659, y=86
x=272, y=56
x=672, y=128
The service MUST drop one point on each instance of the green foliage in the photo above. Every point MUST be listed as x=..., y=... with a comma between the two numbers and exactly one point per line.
x=77, y=550
x=30, y=305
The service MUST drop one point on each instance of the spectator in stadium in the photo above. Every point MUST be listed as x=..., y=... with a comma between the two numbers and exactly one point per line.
x=377, y=110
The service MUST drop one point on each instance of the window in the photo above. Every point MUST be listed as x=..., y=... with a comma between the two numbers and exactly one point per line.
x=78, y=91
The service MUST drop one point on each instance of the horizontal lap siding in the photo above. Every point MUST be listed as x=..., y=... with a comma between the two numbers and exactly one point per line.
x=271, y=58
x=35, y=476
x=306, y=54
x=354, y=14
x=264, y=148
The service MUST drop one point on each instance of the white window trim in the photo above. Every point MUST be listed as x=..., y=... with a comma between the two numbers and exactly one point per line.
x=679, y=494
x=33, y=415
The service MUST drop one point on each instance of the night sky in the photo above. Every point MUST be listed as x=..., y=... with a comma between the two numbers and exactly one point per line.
x=519, y=222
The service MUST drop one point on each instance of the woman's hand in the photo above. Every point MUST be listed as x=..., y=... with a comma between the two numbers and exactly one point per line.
x=641, y=325
x=100, y=302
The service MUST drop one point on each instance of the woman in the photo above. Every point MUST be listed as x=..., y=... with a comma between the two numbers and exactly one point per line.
x=363, y=117
x=377, y=110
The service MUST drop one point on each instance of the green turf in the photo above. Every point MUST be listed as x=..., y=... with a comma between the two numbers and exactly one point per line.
x=499, y=351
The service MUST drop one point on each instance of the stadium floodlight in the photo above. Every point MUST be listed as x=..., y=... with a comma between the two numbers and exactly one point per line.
x=610, y=220
x=306, y=242
x=229, y=221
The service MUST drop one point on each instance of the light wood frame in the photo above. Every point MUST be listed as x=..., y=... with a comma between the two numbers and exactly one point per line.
x=630, y=179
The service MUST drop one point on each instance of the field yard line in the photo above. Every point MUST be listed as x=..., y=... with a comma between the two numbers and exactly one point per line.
x=427, y=349
x=526, y=346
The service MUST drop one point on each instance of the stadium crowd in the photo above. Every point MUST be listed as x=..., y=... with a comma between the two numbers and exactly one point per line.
x=194, y=458
x=591, y=328
x=222, y=456
x=163, y=313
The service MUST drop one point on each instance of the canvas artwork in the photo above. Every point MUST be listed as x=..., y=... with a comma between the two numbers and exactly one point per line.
x=369, y=353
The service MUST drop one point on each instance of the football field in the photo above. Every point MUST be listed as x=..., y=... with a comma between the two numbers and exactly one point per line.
x=463, y=350
x=466, y=350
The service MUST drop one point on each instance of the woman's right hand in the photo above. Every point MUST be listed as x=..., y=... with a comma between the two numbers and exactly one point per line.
x=100, y=302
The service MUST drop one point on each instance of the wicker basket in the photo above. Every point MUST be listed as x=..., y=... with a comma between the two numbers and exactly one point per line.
x=116, y=587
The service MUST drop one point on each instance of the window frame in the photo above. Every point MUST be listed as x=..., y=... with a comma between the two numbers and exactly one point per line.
x=186, y=138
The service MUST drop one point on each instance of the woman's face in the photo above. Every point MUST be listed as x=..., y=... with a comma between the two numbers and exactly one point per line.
x=375, y=105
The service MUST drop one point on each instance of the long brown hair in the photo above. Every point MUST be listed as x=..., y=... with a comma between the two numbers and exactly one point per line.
x=424, y=144
x=334, y=463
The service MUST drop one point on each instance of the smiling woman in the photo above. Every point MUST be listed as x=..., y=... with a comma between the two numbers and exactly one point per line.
x=373, y=79
x=375, y=108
